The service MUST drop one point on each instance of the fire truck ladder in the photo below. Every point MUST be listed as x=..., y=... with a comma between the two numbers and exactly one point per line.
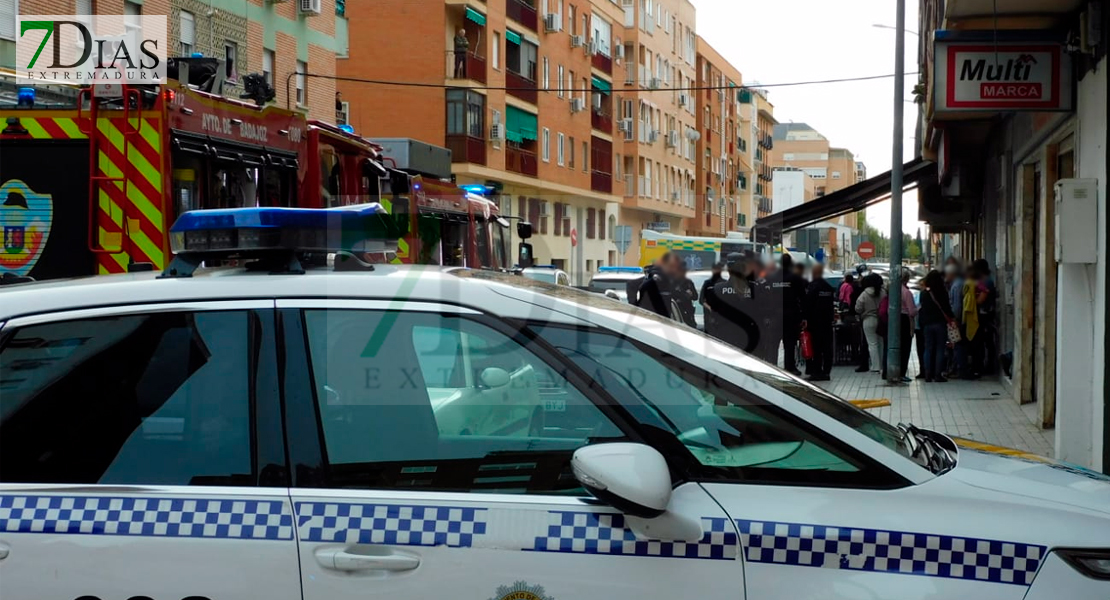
x=104, y=235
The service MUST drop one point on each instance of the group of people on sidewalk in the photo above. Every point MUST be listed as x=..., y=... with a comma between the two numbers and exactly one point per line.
x=761, y=307
x=952, y=320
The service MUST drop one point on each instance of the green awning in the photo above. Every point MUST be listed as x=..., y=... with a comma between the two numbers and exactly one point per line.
x=512, y=36
x=476, y=16
x=603, y=86
x=520, y=125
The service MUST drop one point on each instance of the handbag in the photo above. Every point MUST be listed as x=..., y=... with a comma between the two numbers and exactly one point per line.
x=954, y=336
x=806, y=342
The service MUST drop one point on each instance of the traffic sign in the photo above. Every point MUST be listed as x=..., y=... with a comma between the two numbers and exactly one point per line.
x=622, y=237
x=866, y=250
x=573, y=238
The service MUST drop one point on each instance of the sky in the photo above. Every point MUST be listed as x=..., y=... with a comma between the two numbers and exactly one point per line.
x=788, y=41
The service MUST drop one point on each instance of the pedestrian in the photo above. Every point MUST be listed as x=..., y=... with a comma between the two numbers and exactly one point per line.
x=685, y=294
x=844, y=294
x=867, y=307
x=986, y=349
x=462, y=45
x=654, y=290
x=954, y=281
x=732, y=302
x=919, y=337
x=909, y=312
x=793, y=293
x=707, y=291
x=820, y=315
x=799, y=270
x=936, y=313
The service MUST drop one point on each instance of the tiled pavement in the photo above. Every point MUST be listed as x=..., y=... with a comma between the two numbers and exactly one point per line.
x=979, y=410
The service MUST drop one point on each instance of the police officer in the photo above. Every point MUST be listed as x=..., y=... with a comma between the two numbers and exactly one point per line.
x=707, y=292
x=685, y=294
x=654, y=291
x=733, y=304
x=820, y=314
x=793, y=289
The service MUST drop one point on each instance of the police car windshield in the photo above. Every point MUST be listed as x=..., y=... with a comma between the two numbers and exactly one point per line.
x=675, y=333
x=544, y=276
x=600, y=285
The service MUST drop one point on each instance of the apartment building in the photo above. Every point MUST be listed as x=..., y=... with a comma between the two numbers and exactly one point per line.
x=529, y=107
x=757, y=118
x=281, y=40
x=658, y=126
x=724, y=167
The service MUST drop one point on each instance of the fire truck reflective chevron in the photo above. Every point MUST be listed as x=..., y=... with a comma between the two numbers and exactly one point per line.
x=46, y=128
x=129, y=219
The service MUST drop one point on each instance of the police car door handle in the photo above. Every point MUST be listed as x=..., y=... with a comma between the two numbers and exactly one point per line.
x=377, y=559
x=4, y=551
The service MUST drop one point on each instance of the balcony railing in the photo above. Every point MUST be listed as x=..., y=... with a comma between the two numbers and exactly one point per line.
x=629, y=185
x=520, y=86
x=522, y=12
x=519, y=160
x=467, y=149
x=601, y=182
x=603, y=63
x=474, y=68
x=602, y=121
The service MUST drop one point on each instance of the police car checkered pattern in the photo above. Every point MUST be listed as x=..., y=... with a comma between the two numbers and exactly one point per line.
x=890, y=552
x=606, y=533
x=395, y=524
x=150, y=517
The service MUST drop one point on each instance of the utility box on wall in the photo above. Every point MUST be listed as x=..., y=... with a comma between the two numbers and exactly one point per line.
x=1077, y=221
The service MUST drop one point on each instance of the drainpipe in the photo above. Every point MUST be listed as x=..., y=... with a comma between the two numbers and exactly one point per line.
x=1106, y=263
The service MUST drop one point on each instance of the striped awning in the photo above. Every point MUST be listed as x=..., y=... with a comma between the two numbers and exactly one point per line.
x=475, y=16
x=520, y=125
x=603, y=86
x=512, y=36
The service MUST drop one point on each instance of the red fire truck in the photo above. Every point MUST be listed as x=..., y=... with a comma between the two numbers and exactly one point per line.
x=91, y=184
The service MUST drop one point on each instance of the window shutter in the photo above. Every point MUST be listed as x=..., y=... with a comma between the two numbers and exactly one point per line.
x=7, y=19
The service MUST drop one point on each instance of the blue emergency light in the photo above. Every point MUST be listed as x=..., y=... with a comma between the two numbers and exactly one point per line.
x=347, y=128
x=258, y=233
x=620, y=270
x=477, y=188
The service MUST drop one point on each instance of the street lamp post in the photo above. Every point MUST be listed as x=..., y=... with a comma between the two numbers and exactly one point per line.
x=894, y=331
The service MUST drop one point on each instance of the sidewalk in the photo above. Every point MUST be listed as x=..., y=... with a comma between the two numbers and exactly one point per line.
x=979, y=410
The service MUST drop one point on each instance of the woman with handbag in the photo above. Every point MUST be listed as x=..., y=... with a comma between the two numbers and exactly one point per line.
x=937, y=322
x=867, y=307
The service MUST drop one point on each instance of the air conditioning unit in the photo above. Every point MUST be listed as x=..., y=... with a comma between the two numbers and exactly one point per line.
x=653, y=136
x=674, y=196
x=625, y=125
x=497, y=132
x=593, y=48
x=683, y=100
x=311, y=7
x=545, y=209
x=576, y=41
x=577, y=105
x=672, y=139
x=654, y=84
x=552, y=23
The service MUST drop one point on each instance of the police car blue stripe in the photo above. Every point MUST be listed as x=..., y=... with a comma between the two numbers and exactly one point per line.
x=607, y=533
x=886, y=551
x=249, y=519
x=394, y=524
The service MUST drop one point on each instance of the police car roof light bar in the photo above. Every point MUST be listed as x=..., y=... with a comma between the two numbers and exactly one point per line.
x=620, y=270
x=276, y=236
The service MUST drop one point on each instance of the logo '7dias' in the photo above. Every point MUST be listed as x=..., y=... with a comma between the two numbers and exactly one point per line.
x=92, y=49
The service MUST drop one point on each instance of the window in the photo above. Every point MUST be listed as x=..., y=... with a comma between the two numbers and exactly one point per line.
x=268, y=65
x=521, y=56
x=188, y=33
x=231, y=66
x=561, y=156
x=570, y=160
x=730, y=433
x=546, y=145
x=82, y=7
x=546, y=74
x=560, y=82
x=465, y=404
x=466, y=112
x=302, y=93
x=585, y=157
x=496, y=58
x=172, y=401
x=132, y=17
x=836, y=174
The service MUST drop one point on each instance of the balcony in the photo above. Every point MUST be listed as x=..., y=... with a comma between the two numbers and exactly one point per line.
x=522, y=12
x=602, y=121
x=520, y=86
x=519, y=160
x=601, y=182
x=629, y=185
x=764, y=205
x=474, y=68
x=603, y=63
x=467, y=149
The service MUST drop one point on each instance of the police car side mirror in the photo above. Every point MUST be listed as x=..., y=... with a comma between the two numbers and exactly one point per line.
x=494, y=377
x=635, y=479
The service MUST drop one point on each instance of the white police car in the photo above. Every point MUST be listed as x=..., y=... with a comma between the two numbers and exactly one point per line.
x=418, y=432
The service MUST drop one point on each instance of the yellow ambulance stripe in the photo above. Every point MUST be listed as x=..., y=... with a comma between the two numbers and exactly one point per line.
x=143, y=241
x=151, y=136
x=145, y=206
x=34, y=129
x=120, y=258
x=70, y=127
